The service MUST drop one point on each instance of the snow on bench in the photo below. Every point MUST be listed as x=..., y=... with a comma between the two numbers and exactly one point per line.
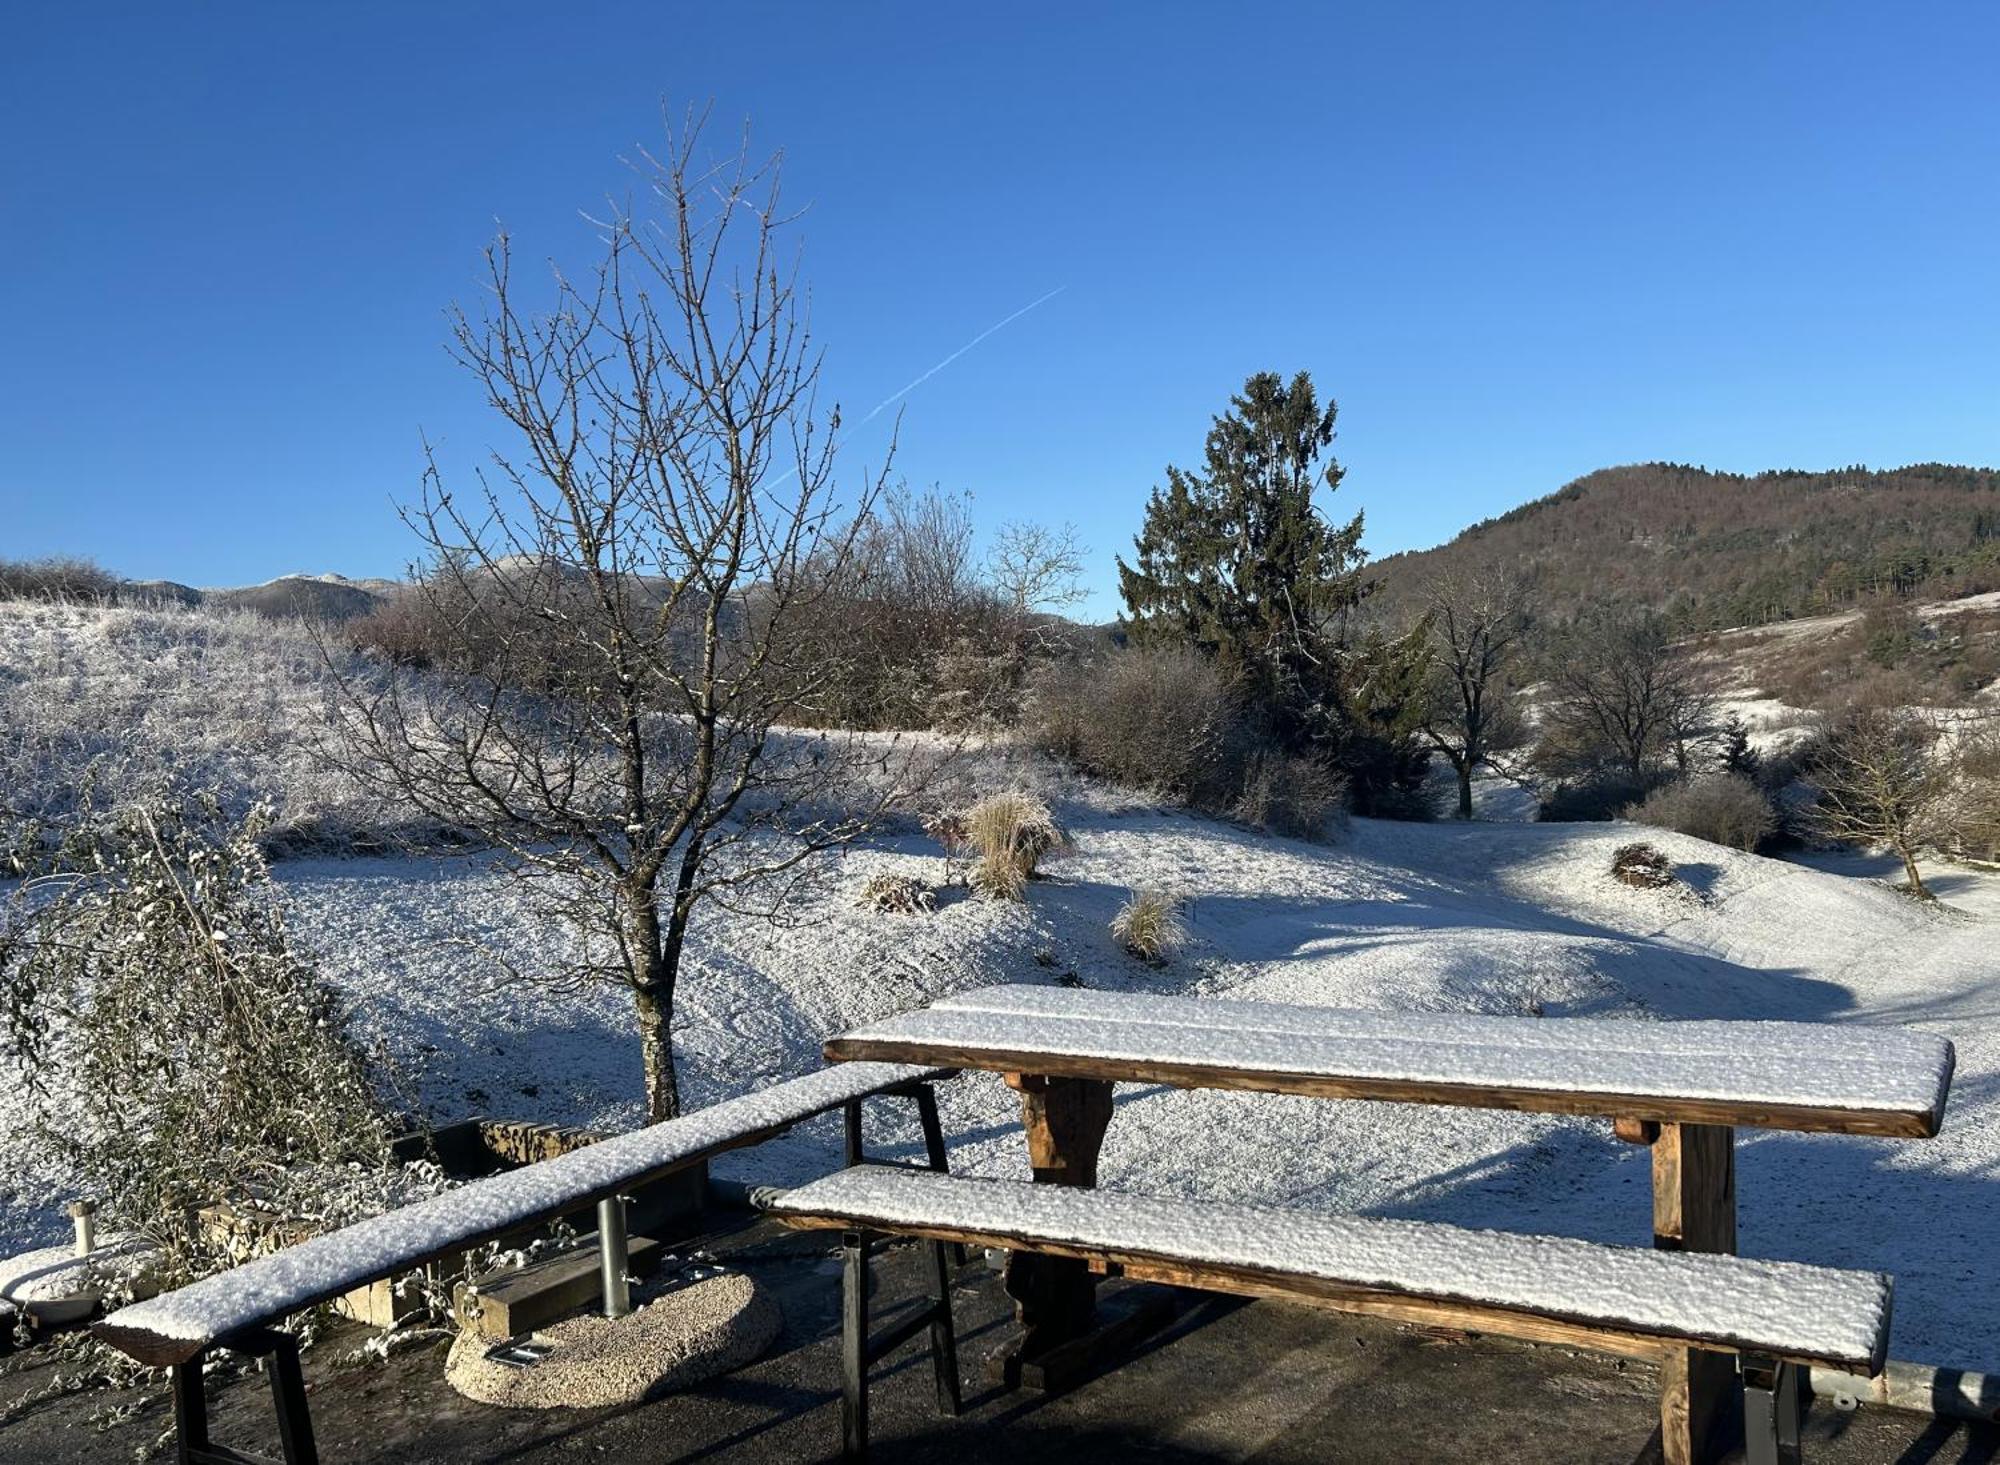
x=1848, y=1077
x=1612, y=1296
x=175, y=1326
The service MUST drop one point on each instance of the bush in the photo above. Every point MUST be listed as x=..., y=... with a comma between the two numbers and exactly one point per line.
x=1723, y=808
x=177, y=1052
x=1160, y=719
x=1149, y=926
x=1642, y=865
x=1010, y=832
x=57, y=578
x=1291, y=796
x=403, y=628
x=1592, y=799
x=902, y=895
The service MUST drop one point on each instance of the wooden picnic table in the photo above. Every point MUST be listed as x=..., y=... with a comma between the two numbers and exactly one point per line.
x=1682, y=1088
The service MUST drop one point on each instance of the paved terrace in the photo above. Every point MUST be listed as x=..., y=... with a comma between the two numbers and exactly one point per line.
x=1232, y=1381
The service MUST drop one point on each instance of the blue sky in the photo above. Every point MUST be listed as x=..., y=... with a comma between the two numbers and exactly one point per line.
x=1516, y=242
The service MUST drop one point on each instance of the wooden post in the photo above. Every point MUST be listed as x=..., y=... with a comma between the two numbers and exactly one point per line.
x=1055, y=1298
x=1694, y=1209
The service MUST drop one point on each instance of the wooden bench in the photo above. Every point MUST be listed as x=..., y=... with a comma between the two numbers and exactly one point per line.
x=1775, y=1316
x=1679, y=1088
x=238, y=1309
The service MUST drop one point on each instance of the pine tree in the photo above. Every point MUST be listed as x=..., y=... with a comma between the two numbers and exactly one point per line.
x=1738, y=756
x=1237, y=560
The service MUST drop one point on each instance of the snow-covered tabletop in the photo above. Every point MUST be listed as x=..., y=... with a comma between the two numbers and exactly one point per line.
x=1846, y=1078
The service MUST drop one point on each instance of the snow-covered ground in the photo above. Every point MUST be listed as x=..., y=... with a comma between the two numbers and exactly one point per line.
x=1498, y=918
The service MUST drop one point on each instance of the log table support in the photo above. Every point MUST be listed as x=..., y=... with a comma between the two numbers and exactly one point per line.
x=1055, y=1298
x=1694, y=1209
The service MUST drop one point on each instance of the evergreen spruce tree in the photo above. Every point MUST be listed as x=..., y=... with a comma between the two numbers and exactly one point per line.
x=1237, y=561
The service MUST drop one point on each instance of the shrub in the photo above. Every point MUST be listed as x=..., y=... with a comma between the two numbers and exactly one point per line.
x=403, y=629
x=1010, y=832
x=1289, y=795
x=902, y=895
x=1149, y=926
x=1591, y=799
x=61, y=577
x=176, y=1051
x=1160, y=719
x=1724, y=808
x=1642, y=865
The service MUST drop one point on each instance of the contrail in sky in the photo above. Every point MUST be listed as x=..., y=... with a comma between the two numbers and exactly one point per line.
x=894, y=397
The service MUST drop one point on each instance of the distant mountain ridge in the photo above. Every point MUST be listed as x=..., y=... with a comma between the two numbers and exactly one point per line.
x=315, y=597
x=1730, y=549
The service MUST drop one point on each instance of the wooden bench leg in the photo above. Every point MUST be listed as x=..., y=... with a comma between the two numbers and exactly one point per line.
x=192, y=1444
x=1773, y=1412
x=854, y=1346
x=934, y=1150
x=1694, y=1209
x=288, y=1397
x=944, y=1336
x=190, y=1411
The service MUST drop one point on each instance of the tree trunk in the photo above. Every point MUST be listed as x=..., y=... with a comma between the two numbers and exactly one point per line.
x=656, y=1052
x=1465, y=790
x=1916, y=881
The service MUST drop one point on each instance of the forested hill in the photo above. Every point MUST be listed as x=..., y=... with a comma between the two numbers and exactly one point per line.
x=1730, y=549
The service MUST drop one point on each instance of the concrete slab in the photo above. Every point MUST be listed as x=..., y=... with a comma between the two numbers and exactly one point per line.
x=1259, y=1383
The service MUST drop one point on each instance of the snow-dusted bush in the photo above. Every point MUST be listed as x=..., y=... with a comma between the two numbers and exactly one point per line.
x=1011, y=832
x=1292, y=796
x=176, y=1051
x=61, y=577
x=1160, y=719
x=902, y=895
x=1642, y=865
x=1724, y=808
x=1149, y=926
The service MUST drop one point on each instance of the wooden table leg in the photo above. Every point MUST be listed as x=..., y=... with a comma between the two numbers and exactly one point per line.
x=1694, y=1209
x=1055, y=1298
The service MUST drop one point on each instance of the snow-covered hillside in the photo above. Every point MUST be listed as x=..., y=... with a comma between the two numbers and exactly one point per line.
x=1485, y=918
x=440, y=959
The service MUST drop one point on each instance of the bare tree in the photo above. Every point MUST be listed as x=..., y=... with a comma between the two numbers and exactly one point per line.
x=615, y=617
x=1034, y=567
x=1690, y=728
x=1619, y=685
x=1470, y=711
x=1881, y=782
x=1974, y=805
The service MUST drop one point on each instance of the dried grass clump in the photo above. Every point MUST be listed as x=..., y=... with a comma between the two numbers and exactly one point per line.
x=1011, y=833
x=900, y=895
x=1149, y=926
x=1642, y=866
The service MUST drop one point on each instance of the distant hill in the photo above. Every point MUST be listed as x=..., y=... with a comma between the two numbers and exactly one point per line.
x=1732, y=549
x=314, y=597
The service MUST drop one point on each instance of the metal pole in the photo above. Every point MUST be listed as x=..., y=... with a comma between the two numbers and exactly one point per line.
x=611, y=1256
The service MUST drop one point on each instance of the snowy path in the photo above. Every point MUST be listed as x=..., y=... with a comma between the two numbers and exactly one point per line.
x=1494, y=918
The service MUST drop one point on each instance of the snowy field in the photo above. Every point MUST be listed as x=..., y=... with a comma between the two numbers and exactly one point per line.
x=1495, y=918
